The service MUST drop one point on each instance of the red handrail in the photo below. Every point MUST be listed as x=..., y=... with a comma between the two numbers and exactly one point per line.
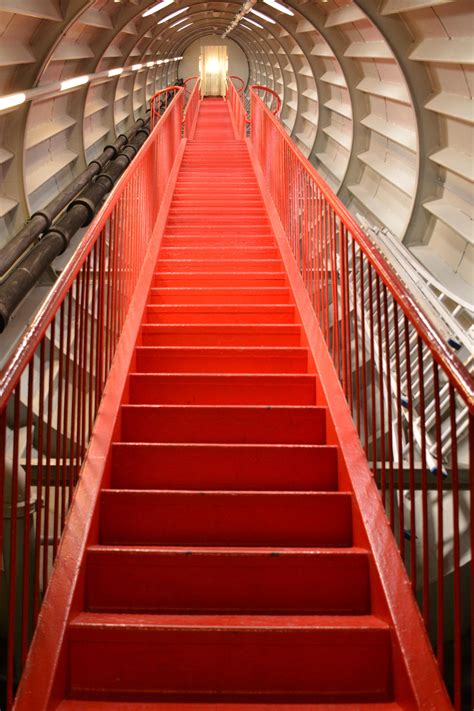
x=51, y=388
x=159, y=106
x=237, y=108
x=191, y=110
x=240, y=90
x=412, y=400
x=185, y=84
x=275, y=97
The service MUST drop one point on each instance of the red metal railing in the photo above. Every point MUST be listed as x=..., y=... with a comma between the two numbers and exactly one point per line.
x=186, y=82
x=160, y=101
x=411, y=399
x=51, y=388
x=270, y=98
x=240, y=86
x=191, y=110
x=237, y=108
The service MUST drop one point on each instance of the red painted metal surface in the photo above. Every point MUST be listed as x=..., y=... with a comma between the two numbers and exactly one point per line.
x=411, y=399
x=238, y=82
x=270, y=98
x=188, y=90
x=51, y=389
x=219, y=553
x=238, y=114
x=191, y=110
x=160, y=101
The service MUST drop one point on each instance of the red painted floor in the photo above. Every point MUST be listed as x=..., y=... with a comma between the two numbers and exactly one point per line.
x=225, y=577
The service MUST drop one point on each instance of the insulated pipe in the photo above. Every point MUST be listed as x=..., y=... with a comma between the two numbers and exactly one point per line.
x=54, y=242
x=41, y=220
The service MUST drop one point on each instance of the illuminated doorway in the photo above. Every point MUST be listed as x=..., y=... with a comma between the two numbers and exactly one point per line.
x=213, y=64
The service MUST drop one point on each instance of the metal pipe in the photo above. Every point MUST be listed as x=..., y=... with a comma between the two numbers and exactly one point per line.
x=41, y=220
x=57, y=238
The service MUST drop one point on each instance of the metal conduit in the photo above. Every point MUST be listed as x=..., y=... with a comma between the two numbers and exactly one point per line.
x=56, y=237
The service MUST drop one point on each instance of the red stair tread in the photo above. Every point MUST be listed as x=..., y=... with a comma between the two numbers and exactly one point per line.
x=322, y=656
x=261, y=467
x=232, y=518
x=219, y=359
x=222, y=388
x=117, y=705
x=238, y=424
x=227, y=580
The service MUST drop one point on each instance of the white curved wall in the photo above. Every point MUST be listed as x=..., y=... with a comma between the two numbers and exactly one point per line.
x=377, y=93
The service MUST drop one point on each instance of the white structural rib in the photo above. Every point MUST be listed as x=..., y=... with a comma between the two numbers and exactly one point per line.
x=369, y=50
x=14, y=52
x=391, y=7
x=398, y=134
x=453, y=217
x=95, y=18
x=453, y=105
x=403, y=179
x=43, y=131
x=460, y=163
x=44, y=9
x=344, y=15
x=386, y=90
x=456, y=50
x=48, y=169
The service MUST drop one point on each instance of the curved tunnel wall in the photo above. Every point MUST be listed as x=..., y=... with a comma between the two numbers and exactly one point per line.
x=376, y=93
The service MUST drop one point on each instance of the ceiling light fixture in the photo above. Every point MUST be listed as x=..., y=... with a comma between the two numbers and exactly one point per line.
x=114, y=72
x=262, y=16
x=247, y=19
x=184, y=19
x=72, y=83
x=184, y=27
x=278, y=6
x=173, y=14
x=136, y=67
x=156, y=8
x=7, y=102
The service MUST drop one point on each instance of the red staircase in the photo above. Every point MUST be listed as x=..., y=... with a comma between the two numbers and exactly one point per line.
x=225, y=576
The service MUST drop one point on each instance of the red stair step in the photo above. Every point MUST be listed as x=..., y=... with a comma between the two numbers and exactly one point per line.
x=214, y=253
x=203, y=334
x=216, y=264
x=221, y=314
x=222, y=389
x=227, y=580
x=220, y=295
x=214, y=279
x=216, y=518
x=224, y=424
x=116, y=705
x=224, y=467
x=151, y=656
x=221, y=360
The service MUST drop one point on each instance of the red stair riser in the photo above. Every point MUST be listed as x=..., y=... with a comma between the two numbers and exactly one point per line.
x=221, y=314
x=221, y=389
x=225, y=467
x=214, y=518
x=214, y=264
x=221, y=360
x=213, y=280
x=247, y=335
x=220, y=295
x=225, y=424
x=227, y=581
x=149, y=660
